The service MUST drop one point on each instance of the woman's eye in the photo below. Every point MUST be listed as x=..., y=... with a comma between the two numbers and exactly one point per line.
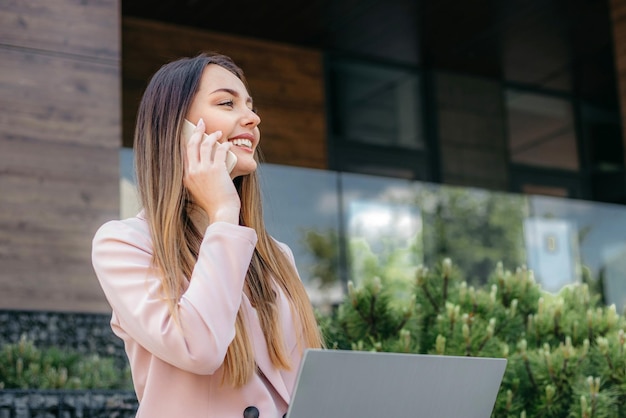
x=227, y=103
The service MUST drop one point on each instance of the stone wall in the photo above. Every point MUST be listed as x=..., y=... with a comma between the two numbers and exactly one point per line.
x=67, y=404
x=85, y=333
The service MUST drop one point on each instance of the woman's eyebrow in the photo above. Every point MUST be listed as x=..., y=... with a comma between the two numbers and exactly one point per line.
x=231, y=92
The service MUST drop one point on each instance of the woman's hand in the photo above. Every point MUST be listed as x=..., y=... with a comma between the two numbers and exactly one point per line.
x=207, y=179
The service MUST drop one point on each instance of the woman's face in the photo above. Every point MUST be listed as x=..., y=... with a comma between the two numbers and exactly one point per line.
x=224, y=104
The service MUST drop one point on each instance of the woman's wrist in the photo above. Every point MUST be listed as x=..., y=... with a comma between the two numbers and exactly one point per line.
x=230, y=215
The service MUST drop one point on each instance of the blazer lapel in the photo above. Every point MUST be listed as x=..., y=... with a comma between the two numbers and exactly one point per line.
x=261, y=355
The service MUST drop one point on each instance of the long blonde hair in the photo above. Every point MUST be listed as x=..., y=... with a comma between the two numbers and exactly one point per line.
x=159, y=166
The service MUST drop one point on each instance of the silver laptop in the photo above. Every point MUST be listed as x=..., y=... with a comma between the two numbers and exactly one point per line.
x=342, y=384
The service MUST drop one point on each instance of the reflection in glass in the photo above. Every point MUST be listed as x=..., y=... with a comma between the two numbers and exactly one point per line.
x=384, y=224
x=613, y=275
x=377, y=105
x=600, y=229
x=129, y=200
x=301, y=209
x=384, y=240
x=552, y=252
x=383, y=229
x=541, y=131
x=343, y=226
x=475, y=228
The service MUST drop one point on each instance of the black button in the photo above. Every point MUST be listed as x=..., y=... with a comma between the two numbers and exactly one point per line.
x=251, y=412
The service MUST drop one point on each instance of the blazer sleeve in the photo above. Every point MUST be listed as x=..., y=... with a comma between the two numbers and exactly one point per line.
x=122, y=260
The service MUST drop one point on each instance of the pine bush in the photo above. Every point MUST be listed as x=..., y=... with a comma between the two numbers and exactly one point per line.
x=565, y=351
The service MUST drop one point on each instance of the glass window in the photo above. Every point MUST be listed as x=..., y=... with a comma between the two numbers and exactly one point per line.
x=129, y=200
x=541, y=131
x=552, y=251
x=353, y=226
x=301, y=209
x=383, y=230
x=595, y=239
x=377, y=105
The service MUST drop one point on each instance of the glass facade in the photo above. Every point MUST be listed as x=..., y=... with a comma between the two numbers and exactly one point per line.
x=343, y=226
x=377, y=119
x=541, y=131
x=389, y=226
x=376, y=105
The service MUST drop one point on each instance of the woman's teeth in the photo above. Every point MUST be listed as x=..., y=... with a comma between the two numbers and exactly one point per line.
x=242, y=142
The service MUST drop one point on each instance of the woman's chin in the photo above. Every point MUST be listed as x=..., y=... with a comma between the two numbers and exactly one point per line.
x=243, y=168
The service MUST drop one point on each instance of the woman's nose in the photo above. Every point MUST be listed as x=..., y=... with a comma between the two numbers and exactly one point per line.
x=251, y=118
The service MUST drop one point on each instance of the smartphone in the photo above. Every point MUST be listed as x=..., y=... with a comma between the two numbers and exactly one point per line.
x=189, y=127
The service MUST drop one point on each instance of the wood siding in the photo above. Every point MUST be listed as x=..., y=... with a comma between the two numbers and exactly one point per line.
x=618, y=16
x=286, y=83
x=60, y=133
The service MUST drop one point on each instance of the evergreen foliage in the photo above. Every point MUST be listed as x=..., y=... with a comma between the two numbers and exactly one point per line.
x=24, y=366
x=565, y=352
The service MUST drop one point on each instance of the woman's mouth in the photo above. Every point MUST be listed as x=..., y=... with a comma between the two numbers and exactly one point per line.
x=240, y=142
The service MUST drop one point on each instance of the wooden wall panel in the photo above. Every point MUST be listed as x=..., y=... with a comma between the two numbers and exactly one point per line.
x=618, y=17
x=60, y=133
x=77, y=27
x=286, y=83
x=59, y=99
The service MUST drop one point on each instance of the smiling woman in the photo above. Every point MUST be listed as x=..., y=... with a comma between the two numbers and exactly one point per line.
x=211, y=309
x=225, y=107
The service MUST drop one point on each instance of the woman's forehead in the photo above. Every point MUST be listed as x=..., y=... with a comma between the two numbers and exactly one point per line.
x=216, y=77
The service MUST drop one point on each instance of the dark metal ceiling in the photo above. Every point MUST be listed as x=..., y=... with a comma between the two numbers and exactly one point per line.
x=564, y=45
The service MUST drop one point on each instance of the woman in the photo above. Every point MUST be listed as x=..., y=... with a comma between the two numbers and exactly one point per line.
x=211, y=310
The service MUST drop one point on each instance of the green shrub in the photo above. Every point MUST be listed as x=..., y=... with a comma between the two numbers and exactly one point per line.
x=24, y=366
x=565, y=352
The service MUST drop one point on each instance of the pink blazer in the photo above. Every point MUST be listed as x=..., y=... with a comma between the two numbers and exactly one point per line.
x=177, y=371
